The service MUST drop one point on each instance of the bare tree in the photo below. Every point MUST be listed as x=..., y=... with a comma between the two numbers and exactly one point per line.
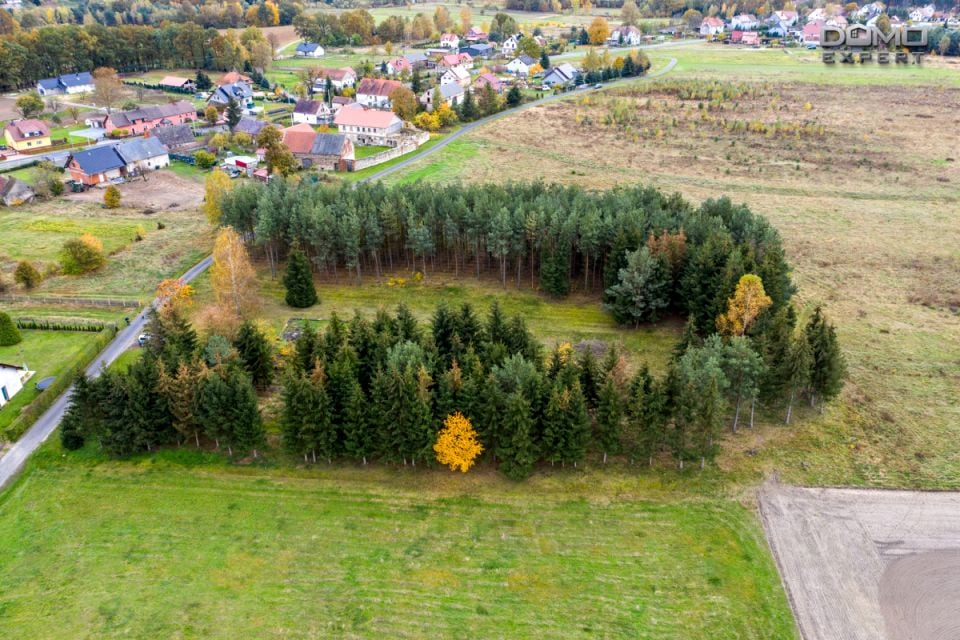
x=108, y=90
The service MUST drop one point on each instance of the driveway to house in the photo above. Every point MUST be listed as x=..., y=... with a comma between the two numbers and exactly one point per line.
x=467, y=128
x=17, y=455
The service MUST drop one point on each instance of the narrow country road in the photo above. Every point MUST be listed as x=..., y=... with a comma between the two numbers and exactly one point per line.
x=17, y=455
x=467, y=128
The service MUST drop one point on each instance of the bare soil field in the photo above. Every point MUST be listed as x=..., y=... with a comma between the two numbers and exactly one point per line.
x=160, y=191
x=867, y=565
x=861, y=181
x=8, y=107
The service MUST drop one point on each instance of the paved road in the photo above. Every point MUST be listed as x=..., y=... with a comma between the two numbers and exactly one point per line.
x=13, y=460
x=479, y=123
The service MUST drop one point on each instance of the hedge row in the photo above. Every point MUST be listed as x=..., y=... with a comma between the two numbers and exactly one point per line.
x=30, y=413
x=45, y=324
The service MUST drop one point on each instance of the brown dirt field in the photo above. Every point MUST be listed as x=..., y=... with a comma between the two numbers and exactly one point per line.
x=285, y=34
x=867, y=565
x=866, y=198
x=8, y=108
x=162, y=190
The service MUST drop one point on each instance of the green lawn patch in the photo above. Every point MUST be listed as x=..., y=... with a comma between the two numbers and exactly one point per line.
x=366, y=152
x=157, y=549
x=369, y=171
x=31, y=235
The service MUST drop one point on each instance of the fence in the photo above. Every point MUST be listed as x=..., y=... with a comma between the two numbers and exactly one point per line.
x=67, y=301
x=408, y=144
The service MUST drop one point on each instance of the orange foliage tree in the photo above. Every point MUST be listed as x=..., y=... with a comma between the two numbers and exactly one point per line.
x=748, y=302
x=457, y=446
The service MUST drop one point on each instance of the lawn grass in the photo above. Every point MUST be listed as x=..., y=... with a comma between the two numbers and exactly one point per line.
x=356, y=176
x=367, y=151
x=188, y=171
x=48, y=353
x=153, y=548
x=32, y=235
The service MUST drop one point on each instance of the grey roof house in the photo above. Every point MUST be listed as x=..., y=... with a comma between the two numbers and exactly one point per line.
x=65, y=84
x=175, y=137
x=239, y=91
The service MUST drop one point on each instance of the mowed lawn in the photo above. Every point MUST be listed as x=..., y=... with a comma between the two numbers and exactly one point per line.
x=48, y=353
x=151, y=550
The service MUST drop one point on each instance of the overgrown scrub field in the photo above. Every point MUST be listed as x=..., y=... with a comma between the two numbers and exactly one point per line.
x=862, y=184
x=153, y=549
x=37, y=232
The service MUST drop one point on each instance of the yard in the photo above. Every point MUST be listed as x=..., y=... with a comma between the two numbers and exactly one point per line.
x=868, y=214
x=367, y=151
x=159, y=548
x=49, y=353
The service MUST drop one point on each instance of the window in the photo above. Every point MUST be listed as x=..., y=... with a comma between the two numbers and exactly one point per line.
x=6, y=396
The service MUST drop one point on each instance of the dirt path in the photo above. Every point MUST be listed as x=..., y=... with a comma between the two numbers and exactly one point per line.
x=866, y=565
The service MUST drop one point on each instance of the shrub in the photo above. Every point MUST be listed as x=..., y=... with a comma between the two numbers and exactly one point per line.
x=26, y=275
x=9, y=334
x=205, y=159
x=111, y=197
x=82, y=255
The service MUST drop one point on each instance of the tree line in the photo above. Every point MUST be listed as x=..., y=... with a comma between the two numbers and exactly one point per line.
x=382, y=387
x=552, y=237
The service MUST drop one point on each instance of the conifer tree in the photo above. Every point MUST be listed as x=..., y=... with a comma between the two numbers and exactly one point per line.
x=555, y=423
x=298, y=279
x=247, y=427
x=306, y=350
x=355, y=424
x=589, y=375
x=578, y=431
x=255, y=354
x=407, y=327
x=827, y=367
x=517, y=454
x=744, y=369
x=9, y=334
x=799, y=363
x=609, y=419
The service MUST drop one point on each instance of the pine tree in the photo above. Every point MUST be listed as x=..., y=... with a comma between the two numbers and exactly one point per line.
x=233, y=114
x=578, y=430
x=247, y=427
x=355, y=424
x=744, y=369
x=609, y=419
x=827, y=367
x=517, y=454
x=255, y=354
x=9, y=334
x=544, y=59
x=468, y=108
x=589, y=375
x=298, y=280
x=799, y=363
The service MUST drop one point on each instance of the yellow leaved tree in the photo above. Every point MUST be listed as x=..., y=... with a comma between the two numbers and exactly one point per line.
x=748, y=302
x=457, y=446
x=232, y=275
x=217, y=185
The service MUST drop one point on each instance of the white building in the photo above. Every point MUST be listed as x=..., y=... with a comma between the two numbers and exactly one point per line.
x=520, y=66
x=449, y=41
x=309, y=50
x=456, y=75
x=312, y=112
x=11, y=381
x=509, y=46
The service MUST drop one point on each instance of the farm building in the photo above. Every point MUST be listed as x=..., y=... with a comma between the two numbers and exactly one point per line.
x=142, y=119
x=176, y=82
x=339, y=78
x=368, y=126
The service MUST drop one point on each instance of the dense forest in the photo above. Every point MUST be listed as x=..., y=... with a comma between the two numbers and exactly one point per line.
x=551, y=237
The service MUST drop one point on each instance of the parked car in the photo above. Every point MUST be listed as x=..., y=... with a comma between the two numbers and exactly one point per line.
x=598, y=86
x=143, y=338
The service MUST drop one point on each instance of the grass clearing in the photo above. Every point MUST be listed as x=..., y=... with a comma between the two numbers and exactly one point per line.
x=367, y=151
x=48, y=353
x=151, y=548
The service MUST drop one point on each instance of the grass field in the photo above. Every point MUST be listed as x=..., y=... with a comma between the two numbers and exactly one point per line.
x=155, y=549
x=867, y=206
x=48, y=353
x=366, y=152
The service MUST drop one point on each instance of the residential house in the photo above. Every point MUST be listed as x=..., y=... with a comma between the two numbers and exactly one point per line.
x=312, y=112
x=869, y=11
x=456, y=59
x=309, y=50
x=837, y=21
x=178, y=83
x=456, y=75
x=485, y=79
x=399, y=65
x=368, y=126
x=561, y=75
x=750, y=39
x=233, y=77
x=625, y=36
x=449, y=41
x=373, y=92
x=69, y=84
x=786, y=18
x=744, y=22
x=299, y=138
x=817, y=15
x=452, y=94
x=339, y=78
x=98, y=165
x=340, y=102
x=509, y=46
x=142, y=119
x=923, y=14
x=475, y=34
x=12, y=378
x=736, y=37
x=520, y=66
x=250, y=126
x=711, y=26
x=241, y=92
x=14, y=192
x=811, y=32
x=479, y=50
x=27, y=135
x=175, y=137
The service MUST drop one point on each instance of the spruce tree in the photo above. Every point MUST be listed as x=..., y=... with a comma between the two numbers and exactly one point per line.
x=496, y=327
x=578, y=429
x=255, y=354
x=609, y=419
x=233, y=114
x=296, y=410
x=9, y=334
x=306, y=350
x=355, y=424
x=407, y=326
x=589, y=375
x=555, y=423
x=334, y=338
x=517, y=454
x=799, y=363
x=247, y=433
x=544, y=59
x=827, y=367
x=468, y=108
x=298, y=279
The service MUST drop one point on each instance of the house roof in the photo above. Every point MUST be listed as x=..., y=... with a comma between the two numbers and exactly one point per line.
x=299, y=138
x=22, y=129
x=233, y=76
x=98, y=159
x=450, y=90
x=175, y=81
x=713, y=22
x=250, y=126
x=152, y=112
x=342, y=100
x=400, y=63
x=66, y=81
x=336, y=74
x=328, y=144
x=49, y=83
x=140, y=149
x=488, y=78
x=176, y=135
x=357, y=115
x=238, y=91
x=378, y=87
x=625, y=30
x=309, y=107
x=449, y=36
x=308, y=47
x=563, y=73
x=459, y=72
x=525, y=59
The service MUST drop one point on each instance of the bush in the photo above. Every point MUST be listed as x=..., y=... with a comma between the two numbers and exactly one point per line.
x=205, y=159
x=111, y=197
x=82, y=255
x=9, y=334
x=26, y=275
x=45, y=324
